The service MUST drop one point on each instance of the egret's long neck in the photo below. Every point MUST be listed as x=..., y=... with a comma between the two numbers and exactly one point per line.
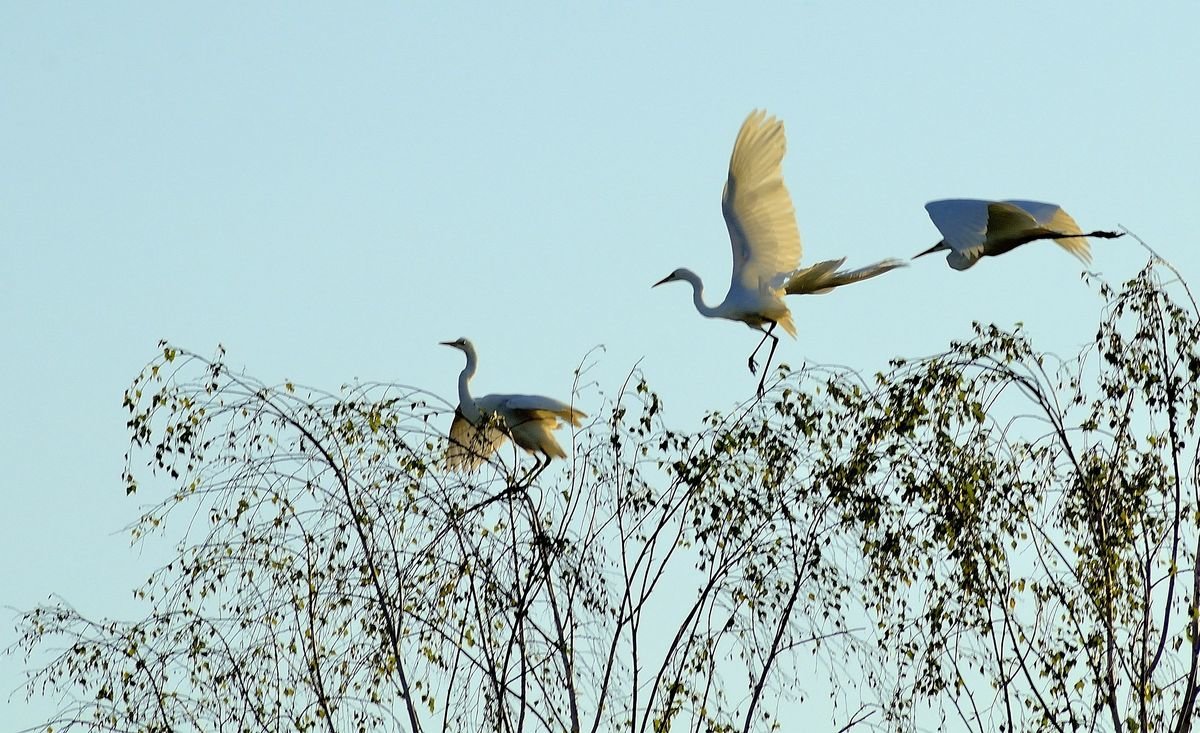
x=698, y=293
x=465, y=402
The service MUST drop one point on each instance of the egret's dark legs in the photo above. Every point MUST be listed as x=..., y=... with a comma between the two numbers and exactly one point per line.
x=1050, y=234
x=539, y=465
x=766, y=334
x=767, y=367
x=514, y=487
x=517, y=484
x=537, y=471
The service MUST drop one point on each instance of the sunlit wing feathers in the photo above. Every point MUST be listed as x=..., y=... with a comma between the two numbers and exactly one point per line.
x=535, y=407
x=531, y=419
x=824, y=276
x=470, y=445
x=1053, y=218
x=758, y=210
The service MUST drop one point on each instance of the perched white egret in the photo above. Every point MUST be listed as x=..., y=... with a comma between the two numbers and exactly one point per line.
x=481, y=424
x=766, y=242
x=972, y=228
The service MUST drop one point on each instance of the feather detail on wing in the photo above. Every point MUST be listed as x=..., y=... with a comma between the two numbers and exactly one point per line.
x=537, y=407
x=758, y=210
x=1052, y=218
x=469, y=445
x=824, y=276
x=962, y=222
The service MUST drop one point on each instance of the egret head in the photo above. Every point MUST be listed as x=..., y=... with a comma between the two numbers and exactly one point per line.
x=461, y=344
x=676, y=275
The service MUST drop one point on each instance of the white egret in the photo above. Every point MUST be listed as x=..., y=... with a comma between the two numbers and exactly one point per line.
x=973, y=228
x=481, y=423
x=766, y=242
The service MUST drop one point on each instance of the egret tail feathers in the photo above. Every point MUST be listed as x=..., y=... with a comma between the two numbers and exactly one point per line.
x=825, y=276
x=552, y=449
x=1077, y=246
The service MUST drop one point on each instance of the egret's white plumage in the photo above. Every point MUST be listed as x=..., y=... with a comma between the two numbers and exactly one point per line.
x=481, y=423
x=766, y=241
x=974, y=228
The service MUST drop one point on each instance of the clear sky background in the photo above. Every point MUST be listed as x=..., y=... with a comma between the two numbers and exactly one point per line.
x=330, y=191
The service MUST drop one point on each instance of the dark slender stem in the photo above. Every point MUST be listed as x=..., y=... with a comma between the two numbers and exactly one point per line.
x=376, y=582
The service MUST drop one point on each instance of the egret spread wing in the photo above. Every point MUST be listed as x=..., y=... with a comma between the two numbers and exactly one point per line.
x=1008, y=221
x=471, y=445
x=962, y=222
x=1040, y=212
x=814, y=279
x=1052, y=218
x=758, y=210
x=524, y=407
x=825, y=276
x=966, y=227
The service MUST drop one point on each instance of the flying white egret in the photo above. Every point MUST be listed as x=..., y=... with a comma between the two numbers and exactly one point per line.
x=481, y=424
x=972, y=228
x=766, y=242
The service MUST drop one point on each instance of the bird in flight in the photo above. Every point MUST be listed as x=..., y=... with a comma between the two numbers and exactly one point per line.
x=973, y=228
x=481, y=423
x=766, y=242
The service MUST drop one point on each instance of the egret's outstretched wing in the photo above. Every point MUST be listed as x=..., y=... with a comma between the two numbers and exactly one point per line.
x=962, y=222
x=1051, y=217
x=471, y=445
x=525, y=407
x=1039, y=212
x=758, y=210
x=825, y=276
x=1007, y=221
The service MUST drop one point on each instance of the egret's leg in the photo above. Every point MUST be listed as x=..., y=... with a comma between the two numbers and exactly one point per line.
x=540, y=463
x=508, y=491
x=766, y=334
x=542, y=466
x=523, y=481
x=767, y=367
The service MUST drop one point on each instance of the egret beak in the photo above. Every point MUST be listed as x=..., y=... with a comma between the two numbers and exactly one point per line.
x=935, y=248
x=666, y=279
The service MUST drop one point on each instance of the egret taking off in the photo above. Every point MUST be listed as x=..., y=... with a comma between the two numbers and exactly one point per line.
x=972, y=228
x=766, y=242
x=481, y=424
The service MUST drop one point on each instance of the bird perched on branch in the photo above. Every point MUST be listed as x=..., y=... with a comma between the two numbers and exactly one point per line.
x=481, y=423
x=766, y=242
x=973, y=228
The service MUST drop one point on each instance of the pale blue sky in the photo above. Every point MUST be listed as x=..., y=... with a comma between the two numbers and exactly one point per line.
x=330, y=191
